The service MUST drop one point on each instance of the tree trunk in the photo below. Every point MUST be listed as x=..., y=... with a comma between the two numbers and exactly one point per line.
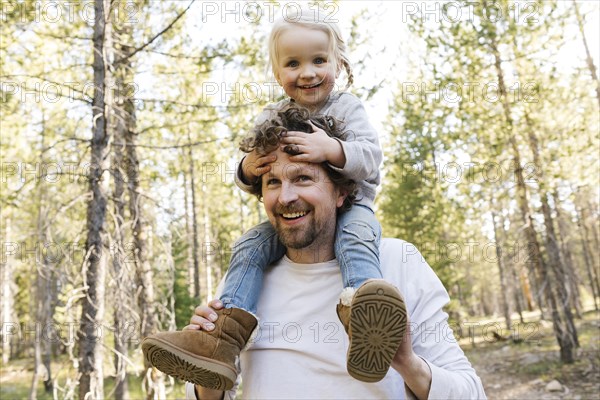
x=590, y=250
x=120, y=274
x=194, y=224
x=517, y=288
x=594, y=226
x=209, y=248
x=574, y=280
x=92, y=312
x=587, y=257
x=501, y=271
x=535, y=259
x=555, y=258
x=43, y=275
x=589, y=59
x=191, y=261
x=7, y=294
x=143, y=269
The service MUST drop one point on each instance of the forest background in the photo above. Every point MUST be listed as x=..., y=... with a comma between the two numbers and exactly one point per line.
x=120, y=124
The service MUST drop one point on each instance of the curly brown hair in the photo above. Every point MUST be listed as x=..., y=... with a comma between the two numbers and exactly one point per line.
x=266, y=138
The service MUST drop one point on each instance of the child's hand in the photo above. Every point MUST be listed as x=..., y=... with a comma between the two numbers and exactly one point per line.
x=255, y=165
x=204, y=316
x=313, y=147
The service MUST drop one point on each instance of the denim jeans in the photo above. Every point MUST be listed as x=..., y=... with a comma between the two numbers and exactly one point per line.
x=357, y=239
x=252, y=254
x=358, y=234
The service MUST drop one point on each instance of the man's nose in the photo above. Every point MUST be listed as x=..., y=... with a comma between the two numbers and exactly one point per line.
x=288, y=194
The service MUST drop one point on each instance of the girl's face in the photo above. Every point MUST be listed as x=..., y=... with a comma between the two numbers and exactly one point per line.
x=305, y=68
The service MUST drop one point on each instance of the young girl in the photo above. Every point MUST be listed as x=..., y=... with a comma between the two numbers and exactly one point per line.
x=307, y=54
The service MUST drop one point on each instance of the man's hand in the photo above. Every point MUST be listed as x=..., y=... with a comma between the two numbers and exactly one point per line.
x=203, y=319
x=414, y=370
x=313, y=147
x=255, y=165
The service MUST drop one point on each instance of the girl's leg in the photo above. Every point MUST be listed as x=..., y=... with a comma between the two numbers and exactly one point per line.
x=372, y=310
x=252, y=253
x=358, y=235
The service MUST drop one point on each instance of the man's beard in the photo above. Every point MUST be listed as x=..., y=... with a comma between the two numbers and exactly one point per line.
x=297, y=238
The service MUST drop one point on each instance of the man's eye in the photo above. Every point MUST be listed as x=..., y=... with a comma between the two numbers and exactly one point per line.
x=272, y=182
x=304, y=178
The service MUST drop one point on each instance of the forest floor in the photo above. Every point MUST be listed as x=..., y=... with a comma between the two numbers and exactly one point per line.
x=526, y=369
x=508, y=370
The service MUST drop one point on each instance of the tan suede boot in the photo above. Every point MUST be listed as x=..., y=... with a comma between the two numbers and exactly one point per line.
x=203, y=358
x=375, y=321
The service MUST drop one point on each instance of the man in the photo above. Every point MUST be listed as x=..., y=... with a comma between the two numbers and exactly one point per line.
x=300, y=349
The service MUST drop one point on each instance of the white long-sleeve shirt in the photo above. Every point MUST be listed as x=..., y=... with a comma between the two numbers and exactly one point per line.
x=300, y=352
x=361, y=145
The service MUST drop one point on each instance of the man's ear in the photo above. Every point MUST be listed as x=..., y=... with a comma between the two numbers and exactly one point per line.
x=342, y=194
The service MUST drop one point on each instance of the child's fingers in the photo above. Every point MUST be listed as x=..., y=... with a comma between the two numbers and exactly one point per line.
x=200, y=324
x=269, y=158
x=315, y=128
x=215, y=304
x=292, y=149
x=262, y=170
x=294, y=134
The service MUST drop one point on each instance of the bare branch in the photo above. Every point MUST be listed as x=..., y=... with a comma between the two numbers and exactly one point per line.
x=148, y=43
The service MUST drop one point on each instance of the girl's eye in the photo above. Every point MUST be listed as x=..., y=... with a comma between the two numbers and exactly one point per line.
x=292, y=64
x=320, y=60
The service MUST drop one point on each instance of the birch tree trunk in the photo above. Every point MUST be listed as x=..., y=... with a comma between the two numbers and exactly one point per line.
x=94, y=271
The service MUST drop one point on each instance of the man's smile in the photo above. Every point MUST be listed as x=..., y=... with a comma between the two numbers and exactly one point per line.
x=294, y=215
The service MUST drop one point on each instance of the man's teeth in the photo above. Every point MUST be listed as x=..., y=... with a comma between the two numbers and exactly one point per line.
x=294, y=215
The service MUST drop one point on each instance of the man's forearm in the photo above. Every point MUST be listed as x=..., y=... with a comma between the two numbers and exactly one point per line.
x=203, y=393
x=416, y=374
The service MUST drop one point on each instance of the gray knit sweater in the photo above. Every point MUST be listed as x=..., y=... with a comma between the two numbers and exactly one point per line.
x=361, y=147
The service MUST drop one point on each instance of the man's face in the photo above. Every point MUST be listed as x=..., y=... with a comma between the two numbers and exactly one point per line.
x=301, y=203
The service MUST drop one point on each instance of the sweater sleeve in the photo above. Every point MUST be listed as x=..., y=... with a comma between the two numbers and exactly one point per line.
x=262, y=117
x=452, y=376
x=361, y=146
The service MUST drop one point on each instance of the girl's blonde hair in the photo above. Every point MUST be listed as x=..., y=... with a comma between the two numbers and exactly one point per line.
x=312, y=19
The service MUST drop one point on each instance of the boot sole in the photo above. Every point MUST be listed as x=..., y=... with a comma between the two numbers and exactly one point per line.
x=377, y=326
x=188, y=367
